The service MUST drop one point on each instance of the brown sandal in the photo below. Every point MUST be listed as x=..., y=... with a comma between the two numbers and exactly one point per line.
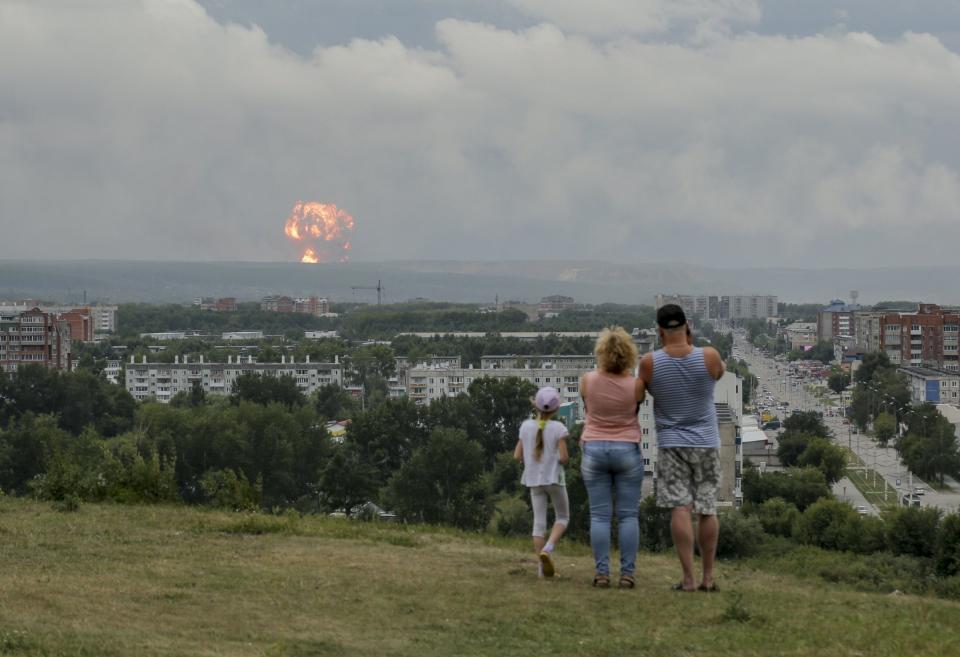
x=601, y=581
x=627, y=582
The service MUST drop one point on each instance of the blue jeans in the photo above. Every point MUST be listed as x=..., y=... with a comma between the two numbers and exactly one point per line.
x=612, y=472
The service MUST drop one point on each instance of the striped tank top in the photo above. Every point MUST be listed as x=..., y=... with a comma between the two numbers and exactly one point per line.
x=683, y=409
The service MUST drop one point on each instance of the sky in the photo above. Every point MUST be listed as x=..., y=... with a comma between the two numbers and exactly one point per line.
x=797, y=133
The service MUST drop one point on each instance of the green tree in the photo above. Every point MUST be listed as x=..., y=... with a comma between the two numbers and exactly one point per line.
x=346, y=481
x=870, y=364
x=808, y=422
x=777, y=516
x=501, y=405
x=884, y=428
x=264, y=389
x=830, y=459
x=792, y=445
x=334, y=403
x=798, y=486
x=443, y=483
x=838, y=381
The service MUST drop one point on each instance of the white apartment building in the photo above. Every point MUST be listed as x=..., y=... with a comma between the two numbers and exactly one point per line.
x=584, y=362
x=161, y=381
x=722, y=307
x=242, y=335
x=425, y=384
x=928, y=384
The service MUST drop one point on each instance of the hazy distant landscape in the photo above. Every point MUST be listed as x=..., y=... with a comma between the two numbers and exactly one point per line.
x=466, y=281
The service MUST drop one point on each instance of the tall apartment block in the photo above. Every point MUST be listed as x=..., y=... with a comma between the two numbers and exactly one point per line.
x=725, y=307
x=308, y=305
x=85, y=321
x=836, y=320
x=34, y=337
x=927, y=337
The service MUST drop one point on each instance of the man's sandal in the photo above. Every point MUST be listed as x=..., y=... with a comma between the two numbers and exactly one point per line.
x=627, y=582
x=601, y=581
x=713, y=588
x=679, y=587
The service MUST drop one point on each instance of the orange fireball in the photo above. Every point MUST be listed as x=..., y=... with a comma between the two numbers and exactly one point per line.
x=323, y=229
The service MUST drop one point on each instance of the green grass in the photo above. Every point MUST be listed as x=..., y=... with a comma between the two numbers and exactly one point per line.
x=870, y=483
x=154, y=580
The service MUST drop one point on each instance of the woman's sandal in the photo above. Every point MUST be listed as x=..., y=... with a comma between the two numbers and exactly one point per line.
x=679, y=587
x=627, y=582
x=601, y=581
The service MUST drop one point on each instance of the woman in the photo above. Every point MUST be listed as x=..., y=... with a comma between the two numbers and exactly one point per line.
x=612, y=467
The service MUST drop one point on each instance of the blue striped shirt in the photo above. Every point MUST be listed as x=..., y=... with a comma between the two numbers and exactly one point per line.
x=683, y=409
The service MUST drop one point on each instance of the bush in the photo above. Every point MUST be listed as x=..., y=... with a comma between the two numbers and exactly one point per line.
x=777, y=516
x=912, y=530
x=948, y=547
x=740, y=536
x=224, y=489
x=798, y=486
x=513, y=517
x=654, y=526
x=829, y=524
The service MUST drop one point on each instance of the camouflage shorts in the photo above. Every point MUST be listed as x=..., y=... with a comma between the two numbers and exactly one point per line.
x=688, y=476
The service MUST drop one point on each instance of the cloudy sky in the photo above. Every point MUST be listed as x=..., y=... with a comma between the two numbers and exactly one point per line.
x=718, y=132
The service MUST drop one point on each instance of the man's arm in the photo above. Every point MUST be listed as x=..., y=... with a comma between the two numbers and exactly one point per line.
x=713, y=362
x=646, y=370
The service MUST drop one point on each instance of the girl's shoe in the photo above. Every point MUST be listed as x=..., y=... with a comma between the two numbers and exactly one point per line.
x=546, y=560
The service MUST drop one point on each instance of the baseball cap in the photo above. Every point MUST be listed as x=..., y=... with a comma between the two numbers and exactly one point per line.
x=670, y=316
x=547, y=400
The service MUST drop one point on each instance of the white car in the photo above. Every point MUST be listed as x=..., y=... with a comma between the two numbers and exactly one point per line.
x=862, y=510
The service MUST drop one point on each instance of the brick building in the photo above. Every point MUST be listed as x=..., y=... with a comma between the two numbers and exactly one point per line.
x=927, y=337
x=34, y=337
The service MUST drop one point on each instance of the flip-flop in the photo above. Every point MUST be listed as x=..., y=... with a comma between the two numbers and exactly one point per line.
x=713, y=588
x=679, y=587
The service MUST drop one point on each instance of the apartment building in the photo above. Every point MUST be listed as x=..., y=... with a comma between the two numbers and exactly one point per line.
x=931, y=385
x=308, y=305
x=34, y=337
x=867, y=329
x=584, y=362
x=85, y=321
x=836, y=320
x=723, y=307
x=554, y=305
x=927, y=337
x=801, y=334
x=161, y=381
x=426, y=384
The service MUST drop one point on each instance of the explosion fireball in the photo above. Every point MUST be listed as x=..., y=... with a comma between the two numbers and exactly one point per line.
x=323, y=229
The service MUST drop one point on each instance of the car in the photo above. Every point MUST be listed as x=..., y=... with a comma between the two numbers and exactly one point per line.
x=862, y=510
x=919, y=491
x=772, y=425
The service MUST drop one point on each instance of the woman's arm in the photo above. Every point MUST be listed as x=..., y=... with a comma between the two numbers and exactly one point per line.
x=564, y=455
x=518, y=451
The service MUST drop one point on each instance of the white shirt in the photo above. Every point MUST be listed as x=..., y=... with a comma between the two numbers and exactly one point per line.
x=548, y=469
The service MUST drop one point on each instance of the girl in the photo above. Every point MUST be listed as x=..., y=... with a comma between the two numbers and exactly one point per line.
x=542, y=448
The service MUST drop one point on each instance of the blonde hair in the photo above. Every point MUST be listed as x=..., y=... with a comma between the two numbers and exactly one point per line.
x=542, y=418
x=615, y=351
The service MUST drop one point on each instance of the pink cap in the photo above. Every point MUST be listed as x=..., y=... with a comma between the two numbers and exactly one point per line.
x=547, y=400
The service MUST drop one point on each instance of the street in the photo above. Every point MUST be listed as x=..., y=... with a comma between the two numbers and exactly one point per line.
x=884, y=461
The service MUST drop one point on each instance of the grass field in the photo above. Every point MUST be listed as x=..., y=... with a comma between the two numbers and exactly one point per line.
x=112, y=580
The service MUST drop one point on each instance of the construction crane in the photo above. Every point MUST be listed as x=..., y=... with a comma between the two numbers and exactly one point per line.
x=378, y=288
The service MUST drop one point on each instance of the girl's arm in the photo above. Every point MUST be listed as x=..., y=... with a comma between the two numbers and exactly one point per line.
x=564, y=456
x=518, y=451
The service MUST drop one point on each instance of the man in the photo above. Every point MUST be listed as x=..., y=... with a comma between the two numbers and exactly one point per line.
x=681, y=379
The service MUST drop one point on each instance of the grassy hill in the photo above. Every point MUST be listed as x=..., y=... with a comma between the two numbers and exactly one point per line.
x=113, y=580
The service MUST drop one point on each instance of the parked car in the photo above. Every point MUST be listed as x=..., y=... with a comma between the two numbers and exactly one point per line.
x=771, y=426
x=919, y=491
x=862, y=510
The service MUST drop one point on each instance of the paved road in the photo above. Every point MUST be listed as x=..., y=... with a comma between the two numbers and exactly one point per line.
x=883, y=460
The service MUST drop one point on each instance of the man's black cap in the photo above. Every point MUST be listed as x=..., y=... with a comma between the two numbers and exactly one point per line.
x=670, y=316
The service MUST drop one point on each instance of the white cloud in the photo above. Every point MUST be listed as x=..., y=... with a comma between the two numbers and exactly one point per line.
x=618, y=17
x=151, y=131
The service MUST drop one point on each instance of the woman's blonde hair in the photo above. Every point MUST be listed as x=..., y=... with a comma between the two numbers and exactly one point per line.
x=615, y=351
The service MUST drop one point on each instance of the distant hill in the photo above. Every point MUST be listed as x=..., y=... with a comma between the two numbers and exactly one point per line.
x=471, y=281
